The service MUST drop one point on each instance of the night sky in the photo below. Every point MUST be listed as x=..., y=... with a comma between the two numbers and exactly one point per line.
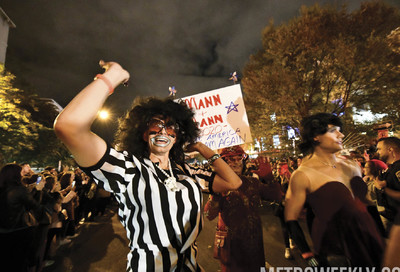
x=192, y=45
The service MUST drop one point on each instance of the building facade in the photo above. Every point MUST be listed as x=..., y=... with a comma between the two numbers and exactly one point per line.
x=5, y=25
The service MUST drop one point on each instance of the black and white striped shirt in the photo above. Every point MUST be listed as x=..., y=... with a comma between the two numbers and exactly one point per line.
x=162, y=225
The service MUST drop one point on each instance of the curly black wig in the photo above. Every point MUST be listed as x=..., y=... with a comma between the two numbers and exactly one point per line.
x=314, y=125
x=129, y=136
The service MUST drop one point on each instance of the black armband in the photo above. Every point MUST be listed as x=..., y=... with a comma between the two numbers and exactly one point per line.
x=296, y=233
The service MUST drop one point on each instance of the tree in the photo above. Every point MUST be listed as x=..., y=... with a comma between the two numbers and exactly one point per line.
x=325, y=60
x=17, y=132
x=26, y=133
x=379, y=101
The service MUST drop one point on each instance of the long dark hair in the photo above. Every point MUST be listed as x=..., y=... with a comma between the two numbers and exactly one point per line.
x=10, y=175
x=129, y=136
x=50, y=180
x=314, y=125
x=65, y=180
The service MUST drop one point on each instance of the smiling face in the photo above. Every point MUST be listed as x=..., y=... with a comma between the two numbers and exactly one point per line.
x=331, y=140
x=161, y=135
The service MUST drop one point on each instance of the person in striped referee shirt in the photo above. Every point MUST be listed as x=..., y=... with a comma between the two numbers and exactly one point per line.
x=159, y=195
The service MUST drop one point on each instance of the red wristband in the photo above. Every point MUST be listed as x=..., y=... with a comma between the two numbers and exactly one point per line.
x=106, y=81
x=307, y=255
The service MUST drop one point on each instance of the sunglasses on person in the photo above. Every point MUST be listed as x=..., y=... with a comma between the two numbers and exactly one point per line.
x=157, y=125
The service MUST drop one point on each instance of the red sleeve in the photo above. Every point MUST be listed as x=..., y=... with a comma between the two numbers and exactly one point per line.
x=271, y=192
x=264, y=171
x=212, y=207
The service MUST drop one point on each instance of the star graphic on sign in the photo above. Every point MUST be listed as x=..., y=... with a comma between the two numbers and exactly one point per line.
x=233, y=77
x=232, y=107
x=172, y=91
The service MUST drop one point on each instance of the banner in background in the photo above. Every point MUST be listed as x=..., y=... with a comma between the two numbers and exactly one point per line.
x=221, y=116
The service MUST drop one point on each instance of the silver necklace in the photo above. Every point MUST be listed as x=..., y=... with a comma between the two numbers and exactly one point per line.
x=328, y=164
x=170, y=182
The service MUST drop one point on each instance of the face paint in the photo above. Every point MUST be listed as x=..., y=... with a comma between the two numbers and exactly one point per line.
x=160, y=140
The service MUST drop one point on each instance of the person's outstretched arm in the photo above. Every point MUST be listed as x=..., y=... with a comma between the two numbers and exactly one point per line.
x=73, y=124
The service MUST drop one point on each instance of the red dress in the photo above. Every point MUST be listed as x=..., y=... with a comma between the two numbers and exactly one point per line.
x=343, y=226
x=239, y=212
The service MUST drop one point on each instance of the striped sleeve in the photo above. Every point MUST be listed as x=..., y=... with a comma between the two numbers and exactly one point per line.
x=113, y=172
x=202, y=176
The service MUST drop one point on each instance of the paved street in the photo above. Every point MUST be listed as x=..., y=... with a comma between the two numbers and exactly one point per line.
x=102, y=245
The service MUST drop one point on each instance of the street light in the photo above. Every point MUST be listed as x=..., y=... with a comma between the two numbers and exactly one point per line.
x=103, y=114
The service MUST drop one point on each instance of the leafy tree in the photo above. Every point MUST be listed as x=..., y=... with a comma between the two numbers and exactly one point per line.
x=26, y=133
x=385, y=100
x=17, y=132
x=325, y=60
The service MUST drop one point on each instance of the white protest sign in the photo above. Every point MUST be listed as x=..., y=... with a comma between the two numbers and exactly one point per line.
x=221, y=116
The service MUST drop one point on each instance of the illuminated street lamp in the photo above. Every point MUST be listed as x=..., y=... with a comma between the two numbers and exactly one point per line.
x=103, y=114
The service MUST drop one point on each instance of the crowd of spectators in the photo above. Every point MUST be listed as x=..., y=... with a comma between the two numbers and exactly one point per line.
x=42, y=211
